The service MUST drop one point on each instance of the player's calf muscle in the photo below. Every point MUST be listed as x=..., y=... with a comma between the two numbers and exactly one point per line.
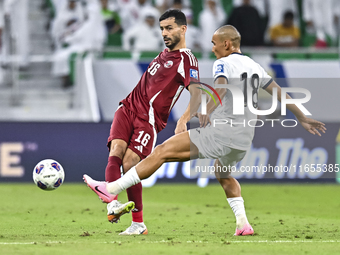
x=174, y=149
x=130, y=159
x=118, y=149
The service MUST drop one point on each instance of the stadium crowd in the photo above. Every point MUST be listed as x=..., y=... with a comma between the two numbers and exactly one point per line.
x=261, y=22
x=78, y=26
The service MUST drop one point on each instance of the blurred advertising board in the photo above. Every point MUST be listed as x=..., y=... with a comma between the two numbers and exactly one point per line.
x=277, y=155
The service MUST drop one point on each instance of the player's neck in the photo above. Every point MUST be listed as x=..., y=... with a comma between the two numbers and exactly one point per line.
x=233, y=51
x=236, y=51
x=180, y=45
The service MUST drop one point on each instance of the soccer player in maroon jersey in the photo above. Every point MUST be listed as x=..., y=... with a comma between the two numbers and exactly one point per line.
x=144, y=113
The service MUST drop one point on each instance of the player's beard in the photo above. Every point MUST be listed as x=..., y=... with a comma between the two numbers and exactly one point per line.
x=174, y=41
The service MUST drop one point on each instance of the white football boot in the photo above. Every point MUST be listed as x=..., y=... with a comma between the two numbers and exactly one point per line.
x=136, y=228
x=115, y=209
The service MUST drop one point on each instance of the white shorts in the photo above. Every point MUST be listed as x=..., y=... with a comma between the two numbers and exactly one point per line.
x=210, y=146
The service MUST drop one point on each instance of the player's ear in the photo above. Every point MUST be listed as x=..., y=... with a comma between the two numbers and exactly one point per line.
x=184, y=28
x=227, y=44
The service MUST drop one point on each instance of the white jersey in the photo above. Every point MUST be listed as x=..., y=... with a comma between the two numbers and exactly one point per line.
x=247, y=75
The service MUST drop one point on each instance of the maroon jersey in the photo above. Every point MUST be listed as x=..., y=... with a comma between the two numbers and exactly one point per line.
x=161, y=85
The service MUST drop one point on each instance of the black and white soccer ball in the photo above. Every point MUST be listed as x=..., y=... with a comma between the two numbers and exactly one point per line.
x=48, y=174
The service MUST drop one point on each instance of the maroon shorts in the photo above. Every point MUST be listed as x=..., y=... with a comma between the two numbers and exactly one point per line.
x=139, y=134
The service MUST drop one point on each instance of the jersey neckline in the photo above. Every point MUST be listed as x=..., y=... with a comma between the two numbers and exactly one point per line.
x=237, y=53
x=179, y=50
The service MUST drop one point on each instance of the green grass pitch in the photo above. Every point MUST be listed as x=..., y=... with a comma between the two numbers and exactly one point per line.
x=181, y=219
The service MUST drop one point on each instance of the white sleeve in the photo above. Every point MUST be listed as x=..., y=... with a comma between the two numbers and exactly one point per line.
x=220, y=69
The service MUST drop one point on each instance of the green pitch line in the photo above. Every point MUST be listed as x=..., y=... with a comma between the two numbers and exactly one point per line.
x=181, y=219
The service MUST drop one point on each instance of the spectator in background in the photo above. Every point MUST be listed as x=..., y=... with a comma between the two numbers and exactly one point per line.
x=260, y=6
x=285, y=34
x=58, y=5
x=90, y=36
x=212, y=17
x=178, y=4
x=320, y=17
x=130, y=11
x=111, y=18
x=193, y=35
x=68, y=20
x=2, y=22
x=277, y=8
x=247, y=21
x=17, y=12
x=163, y=5
x=145, y=35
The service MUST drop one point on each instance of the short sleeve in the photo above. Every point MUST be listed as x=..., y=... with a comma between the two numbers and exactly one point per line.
x=220, y=69
x=191, y=69
x=194, y=75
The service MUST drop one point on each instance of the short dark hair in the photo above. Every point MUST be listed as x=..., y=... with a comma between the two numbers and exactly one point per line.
x=179, y=16
x=288, y=15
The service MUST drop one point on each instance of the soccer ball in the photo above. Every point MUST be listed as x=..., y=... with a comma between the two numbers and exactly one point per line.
x=48, y=174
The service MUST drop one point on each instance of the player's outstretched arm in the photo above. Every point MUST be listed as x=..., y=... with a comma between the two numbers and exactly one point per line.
x=311, y=125
x=194, y=104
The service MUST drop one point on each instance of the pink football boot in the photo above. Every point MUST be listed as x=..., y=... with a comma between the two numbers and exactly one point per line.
x=245, y=231
x=99, y=188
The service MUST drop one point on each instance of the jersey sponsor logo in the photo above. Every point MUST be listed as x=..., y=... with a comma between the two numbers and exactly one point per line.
x=168, y=64
x=219, y=69
x=194, y=74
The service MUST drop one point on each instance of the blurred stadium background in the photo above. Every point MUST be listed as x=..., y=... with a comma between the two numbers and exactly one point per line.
x=46, y=116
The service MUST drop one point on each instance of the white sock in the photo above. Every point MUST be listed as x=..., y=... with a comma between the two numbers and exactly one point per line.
x=237, y=205
x=129, y=179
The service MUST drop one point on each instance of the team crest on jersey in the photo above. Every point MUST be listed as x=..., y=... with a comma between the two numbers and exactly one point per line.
x=168, y=64
x=194, y=73
x=219, y=69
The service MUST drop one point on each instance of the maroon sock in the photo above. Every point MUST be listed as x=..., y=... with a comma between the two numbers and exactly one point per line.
x=112, y=171
x=135, y=194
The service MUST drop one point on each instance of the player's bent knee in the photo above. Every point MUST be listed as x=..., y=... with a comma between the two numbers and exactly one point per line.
x=161, y=151
x=128, y=164
x=130, y=159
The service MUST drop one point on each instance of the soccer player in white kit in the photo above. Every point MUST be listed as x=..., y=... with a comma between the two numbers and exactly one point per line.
x=225, y=143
